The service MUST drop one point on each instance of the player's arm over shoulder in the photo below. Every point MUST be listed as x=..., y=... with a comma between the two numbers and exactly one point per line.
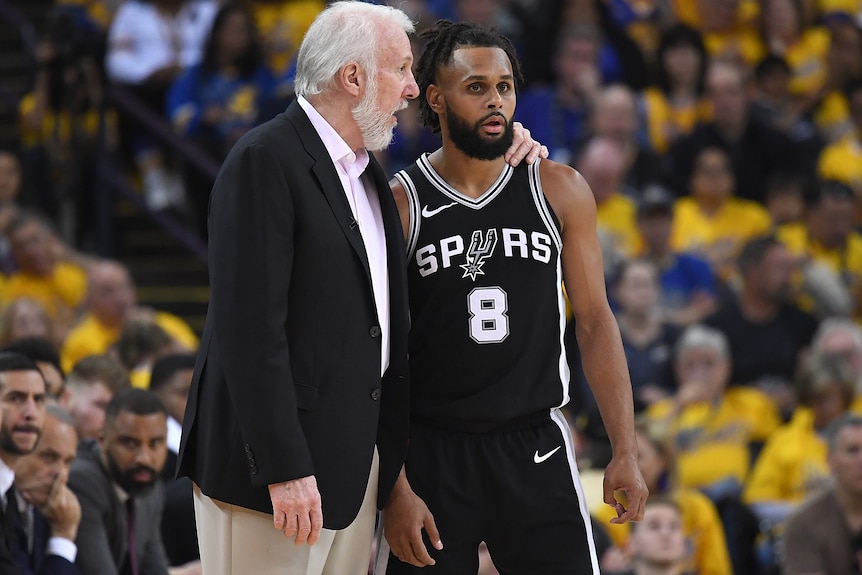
x=400, y=195
x=569, y=196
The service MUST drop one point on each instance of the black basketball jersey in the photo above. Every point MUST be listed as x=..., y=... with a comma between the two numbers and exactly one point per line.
x=486, y=302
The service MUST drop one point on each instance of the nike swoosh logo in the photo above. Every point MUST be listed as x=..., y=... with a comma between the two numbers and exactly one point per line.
x=541, y=458
x=426, y=213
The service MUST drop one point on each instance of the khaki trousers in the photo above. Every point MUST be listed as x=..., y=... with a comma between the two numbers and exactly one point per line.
x=238, y=541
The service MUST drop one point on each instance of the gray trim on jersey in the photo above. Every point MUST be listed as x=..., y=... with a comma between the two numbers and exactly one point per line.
x=474, y=203
x=415, y=211
x=560, y=420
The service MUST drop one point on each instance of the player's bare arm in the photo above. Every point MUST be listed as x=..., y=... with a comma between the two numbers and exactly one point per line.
x=597, y=332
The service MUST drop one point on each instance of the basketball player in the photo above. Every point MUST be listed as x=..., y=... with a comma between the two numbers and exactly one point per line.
x=489, y=246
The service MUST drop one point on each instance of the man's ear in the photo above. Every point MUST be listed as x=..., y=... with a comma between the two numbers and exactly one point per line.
x=435, y=98
x=351, y=78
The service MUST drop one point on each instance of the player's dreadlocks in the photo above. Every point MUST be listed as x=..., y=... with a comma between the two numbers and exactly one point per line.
x=442, y=40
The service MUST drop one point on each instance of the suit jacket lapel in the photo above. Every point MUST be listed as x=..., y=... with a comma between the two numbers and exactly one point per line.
x=324, y=170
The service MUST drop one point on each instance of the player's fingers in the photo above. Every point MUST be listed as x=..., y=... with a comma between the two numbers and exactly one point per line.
x=303, y=529
x=421, y=558
x=621, y=511
x=278, y=520
x=291, y=525
x=433, y=533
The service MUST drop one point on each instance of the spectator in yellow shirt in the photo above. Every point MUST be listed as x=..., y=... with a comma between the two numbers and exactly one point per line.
x=603, y=166
x=712, y=426
x=111, y=302
x=60, y=286
x=842, y=160
x=792, y=465
x=830, y=251
x=712, y=222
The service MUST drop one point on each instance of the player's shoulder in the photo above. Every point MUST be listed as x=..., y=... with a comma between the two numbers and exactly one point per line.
x=564, y=187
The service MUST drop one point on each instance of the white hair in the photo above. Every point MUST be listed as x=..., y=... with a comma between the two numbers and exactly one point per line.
x=834, y=325
x=342, y=33
x=699, y=336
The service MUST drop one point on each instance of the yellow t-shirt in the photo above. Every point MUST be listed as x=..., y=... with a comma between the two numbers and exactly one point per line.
x=282, y=25
x=53, y=127
x=852, y=7
x=792, y=465
x=842, y=161
x=62, y=291
x=90, y=337
x=616, y=216
x=832, y=116
x=711, y=441
x=718, y=237
x=666, y=123
x=705, y=541
x=807, y=61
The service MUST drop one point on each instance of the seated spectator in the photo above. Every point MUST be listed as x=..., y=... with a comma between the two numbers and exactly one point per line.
x=90, y=386
x=792, y=465
x=830, y=251
x=705, y=544
x=142, y=56
x=24, y=317
x=803, y=47
x=110, y=303
x=602, y=165
x=60, y=286
x=785, y=198
x=647, y=340
x=754, y=150
x=675, y=104
x=49, y=511
x=842, y=160
x=45, y=355
x=141, y=342
x=766, y=331
x=170, y=382
x=117, y=483
x=657, y=543
x=64, y=127
x=843, y=337
x=688, y=290
x=615, y=117
x=713, y=222
x=713, y=426
x=729, y=27
x=282, y=25
x=22, y=411
x=822, y=535
x=844, y=61
x=557, y=115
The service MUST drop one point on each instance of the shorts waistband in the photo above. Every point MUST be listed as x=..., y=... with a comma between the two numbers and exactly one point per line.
x=466, y=426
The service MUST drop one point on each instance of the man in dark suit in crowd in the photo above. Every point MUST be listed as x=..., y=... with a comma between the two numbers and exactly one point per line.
x=49, y=511
x=22, y=415
x=117, y=484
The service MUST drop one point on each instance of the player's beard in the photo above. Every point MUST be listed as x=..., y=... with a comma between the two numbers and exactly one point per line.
x=469, y=139
x=373, y=123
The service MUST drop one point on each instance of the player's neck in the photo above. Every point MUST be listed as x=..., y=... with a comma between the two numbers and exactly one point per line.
x=468, y=175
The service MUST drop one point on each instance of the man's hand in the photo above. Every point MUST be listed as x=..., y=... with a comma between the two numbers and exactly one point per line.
x=404, y=518
x=623, y=474
x=524, y=147
x=296, y=509
x=62, y=510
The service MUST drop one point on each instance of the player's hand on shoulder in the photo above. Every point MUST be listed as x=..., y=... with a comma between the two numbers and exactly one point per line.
x=623, y=475
x=404, y=518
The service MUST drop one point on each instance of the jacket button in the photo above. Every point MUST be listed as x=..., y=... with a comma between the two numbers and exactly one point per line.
x=253, y=470
x=374, y=331
x=375, y=394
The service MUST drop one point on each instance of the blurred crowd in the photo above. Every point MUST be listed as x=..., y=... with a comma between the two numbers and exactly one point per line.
x=722, y=140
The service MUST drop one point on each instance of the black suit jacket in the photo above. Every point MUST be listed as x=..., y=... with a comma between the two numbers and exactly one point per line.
x=38, y=562
x=287, y=382
x=103, y=533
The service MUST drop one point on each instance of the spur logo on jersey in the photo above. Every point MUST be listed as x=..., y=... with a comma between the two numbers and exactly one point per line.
x=478, y=252
x=482, y=247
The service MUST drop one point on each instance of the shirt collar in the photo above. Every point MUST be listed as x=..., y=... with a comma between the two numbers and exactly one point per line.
x=7, y=477
x=353, y=162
